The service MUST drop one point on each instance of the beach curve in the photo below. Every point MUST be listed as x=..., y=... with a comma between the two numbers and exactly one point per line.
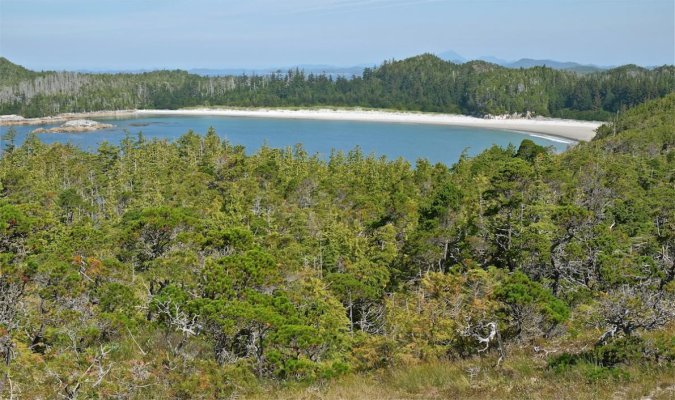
x=572, y=130
x=558, y=128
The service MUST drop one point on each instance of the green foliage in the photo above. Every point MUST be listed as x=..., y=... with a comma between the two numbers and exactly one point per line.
x=151, y=232
x=605, y=361
x=186, y=268
x=15, y=226
x=8, y=139
x=422, y=83
x=519, y=291
x=114, y=296
x=528, y=150
x=11, y=73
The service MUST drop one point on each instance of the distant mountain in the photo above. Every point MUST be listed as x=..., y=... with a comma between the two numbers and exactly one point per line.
x=330, y=70
x=567, y=66
x=457, y=58
x=494, y=60
x=452, y=56
x=115, y=71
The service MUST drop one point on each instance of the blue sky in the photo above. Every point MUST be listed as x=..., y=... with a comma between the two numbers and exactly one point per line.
x=130, y=34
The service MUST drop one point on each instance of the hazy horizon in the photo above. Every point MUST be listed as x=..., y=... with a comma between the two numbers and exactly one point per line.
x=258, y=34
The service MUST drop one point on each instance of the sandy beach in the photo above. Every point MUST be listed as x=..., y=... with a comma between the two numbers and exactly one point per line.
x=567, y=129
x=548, y=127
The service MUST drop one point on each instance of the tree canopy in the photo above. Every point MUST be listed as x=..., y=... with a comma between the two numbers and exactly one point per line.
x=421, y=83
x=189, y=269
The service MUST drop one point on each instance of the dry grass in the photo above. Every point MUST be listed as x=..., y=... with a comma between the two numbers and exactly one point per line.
x=518, y=378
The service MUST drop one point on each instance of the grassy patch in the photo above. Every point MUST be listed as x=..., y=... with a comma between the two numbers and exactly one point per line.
x=520, y=377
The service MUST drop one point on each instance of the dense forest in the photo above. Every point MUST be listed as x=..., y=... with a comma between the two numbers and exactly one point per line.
x=422, y=83
x=189, y=269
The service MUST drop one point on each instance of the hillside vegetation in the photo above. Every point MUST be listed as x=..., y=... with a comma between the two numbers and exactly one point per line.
x=191, y=270
x=422, y=83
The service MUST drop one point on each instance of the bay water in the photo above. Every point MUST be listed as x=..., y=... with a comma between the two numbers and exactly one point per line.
x=436, y=143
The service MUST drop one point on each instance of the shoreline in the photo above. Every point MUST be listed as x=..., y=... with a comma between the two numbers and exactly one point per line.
x=16, y=120
x=556, y=128
x=571, y=130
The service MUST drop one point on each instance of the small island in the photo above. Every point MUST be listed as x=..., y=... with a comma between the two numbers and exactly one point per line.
x=76, y=126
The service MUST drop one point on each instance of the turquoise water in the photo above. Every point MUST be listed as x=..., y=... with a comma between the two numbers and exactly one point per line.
x=411, y=141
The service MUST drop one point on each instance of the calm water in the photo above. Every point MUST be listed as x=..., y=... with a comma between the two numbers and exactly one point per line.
x=410, y=141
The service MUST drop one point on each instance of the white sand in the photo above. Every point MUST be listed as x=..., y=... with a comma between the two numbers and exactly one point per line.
x=563, y=130
x=544, y=127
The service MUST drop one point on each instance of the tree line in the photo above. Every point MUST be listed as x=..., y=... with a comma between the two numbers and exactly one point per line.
x=422, y=83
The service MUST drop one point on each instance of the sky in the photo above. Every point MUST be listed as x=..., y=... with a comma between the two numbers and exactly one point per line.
x=148, y=34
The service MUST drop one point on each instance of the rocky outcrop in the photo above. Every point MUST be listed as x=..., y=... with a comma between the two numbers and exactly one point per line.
x=11, y=120
x=76, y=125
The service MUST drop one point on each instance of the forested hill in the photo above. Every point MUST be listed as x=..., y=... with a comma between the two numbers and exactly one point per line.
x=11, y=74
x=192, y=270
x=422, y=83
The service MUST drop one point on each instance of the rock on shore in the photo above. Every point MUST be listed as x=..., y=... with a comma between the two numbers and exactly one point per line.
x=76, y=125
x=13, y=118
